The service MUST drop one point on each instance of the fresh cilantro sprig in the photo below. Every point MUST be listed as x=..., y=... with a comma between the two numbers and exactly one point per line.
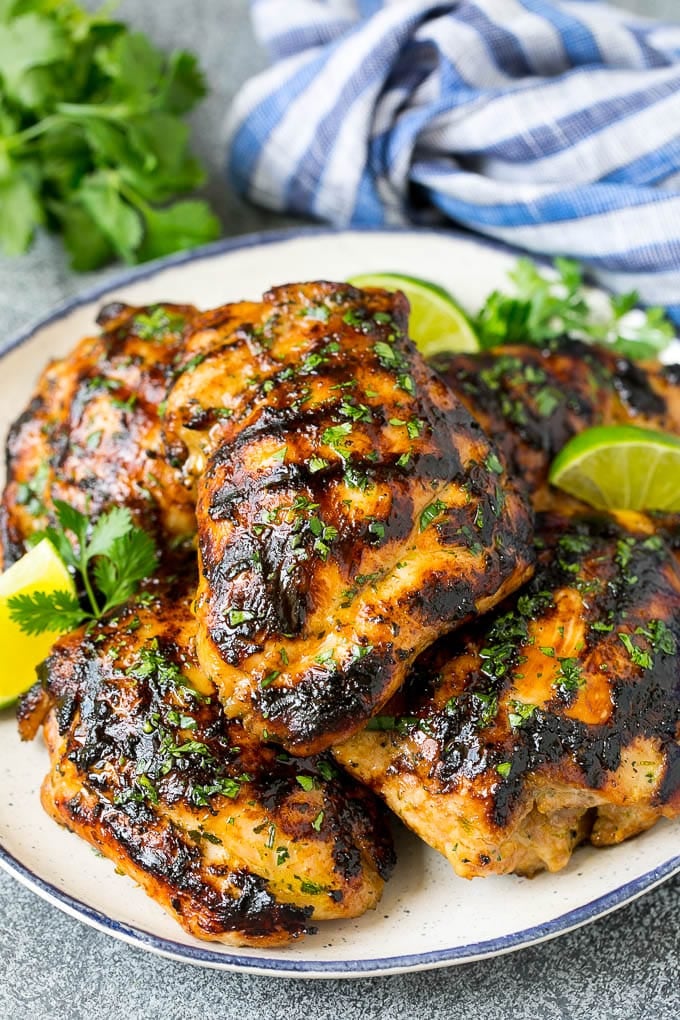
x=110, y=564
x=92, y=141
x=547, y=304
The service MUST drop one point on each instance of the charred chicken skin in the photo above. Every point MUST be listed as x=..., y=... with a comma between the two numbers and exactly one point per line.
x=238, y=841
x=553, y=720
x=91, y=433
x=350, y=511
x=531, y=401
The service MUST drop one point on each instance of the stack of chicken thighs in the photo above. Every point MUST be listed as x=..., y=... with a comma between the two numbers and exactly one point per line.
x=368, y=597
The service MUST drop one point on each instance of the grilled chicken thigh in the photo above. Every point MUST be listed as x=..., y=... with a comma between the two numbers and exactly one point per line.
x=531, y=401
x=91, y=433
x=349, y=509
x=553, y=720
x=238, y=841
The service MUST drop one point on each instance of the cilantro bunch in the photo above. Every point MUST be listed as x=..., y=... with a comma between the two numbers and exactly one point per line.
x=549, y=303
x=92, y=141
x=109, y=564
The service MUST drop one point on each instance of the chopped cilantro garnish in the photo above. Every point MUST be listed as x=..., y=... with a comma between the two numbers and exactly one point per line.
x=569, y=676
x=519, y=712
x=336, y=437
x=318, y=822
x=282, y=855
x=236, y=617
x=377, y=528
x=492, y=463
x=430, y=513
x=158, y=323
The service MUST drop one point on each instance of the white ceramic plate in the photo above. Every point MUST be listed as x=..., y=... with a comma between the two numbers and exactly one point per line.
x=428, y=917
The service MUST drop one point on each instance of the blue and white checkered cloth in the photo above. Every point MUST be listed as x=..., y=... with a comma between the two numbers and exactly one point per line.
x=553, y=126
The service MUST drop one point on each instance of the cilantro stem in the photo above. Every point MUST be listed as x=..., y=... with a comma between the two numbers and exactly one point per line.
x=66, y=113
x=18, y=140
x=132, y=196
x=118, y=111
x=97, y=611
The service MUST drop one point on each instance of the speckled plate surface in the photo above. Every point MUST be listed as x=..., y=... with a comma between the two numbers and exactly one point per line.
x=428, y=917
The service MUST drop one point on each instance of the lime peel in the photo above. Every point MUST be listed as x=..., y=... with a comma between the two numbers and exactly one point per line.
x=437, y=324
x=621, y=467
x=40, y=569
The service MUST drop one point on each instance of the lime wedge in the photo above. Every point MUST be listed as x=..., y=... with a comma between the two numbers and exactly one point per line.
x=41, y=569
x=621, y=467
x=437, y=325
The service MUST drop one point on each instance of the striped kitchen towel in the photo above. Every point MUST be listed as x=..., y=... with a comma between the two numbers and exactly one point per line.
x=553, y=126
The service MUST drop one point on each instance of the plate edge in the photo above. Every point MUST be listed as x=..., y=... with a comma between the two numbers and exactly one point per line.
x=576, y=918
x=351, y=969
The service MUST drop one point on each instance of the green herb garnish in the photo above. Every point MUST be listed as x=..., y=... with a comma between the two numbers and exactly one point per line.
x=431, y=512
x=110, y=564
x=92, y=140
x=548, y=304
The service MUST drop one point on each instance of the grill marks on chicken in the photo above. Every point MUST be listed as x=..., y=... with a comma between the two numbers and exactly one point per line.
x=91, y=434
x=348, y=515
x=238, y=841
x=531, y=401
x=554, y=720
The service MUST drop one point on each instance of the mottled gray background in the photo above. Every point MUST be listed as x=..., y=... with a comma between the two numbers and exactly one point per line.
x=54, y=968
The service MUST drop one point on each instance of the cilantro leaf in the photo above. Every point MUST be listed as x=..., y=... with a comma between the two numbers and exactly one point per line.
x=129, y=559
x=41, y=611
x=60, y=543
x=132, y=64
x=20, y=214
x=184, y=83
x=183, y=225
x=160, y=143
x=118, y=222
x=547, y=304
x=27, y=42
x=109, y=528
x=88, y=247
x=642, y=334
x=71, y=519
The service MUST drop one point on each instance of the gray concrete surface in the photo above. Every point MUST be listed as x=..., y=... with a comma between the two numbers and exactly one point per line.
x=623, y=967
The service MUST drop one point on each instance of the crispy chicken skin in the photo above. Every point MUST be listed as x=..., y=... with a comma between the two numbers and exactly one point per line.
x=238, y=841
x=553, y=720
x=349, y=512
x=91, y=433
x=531, y=401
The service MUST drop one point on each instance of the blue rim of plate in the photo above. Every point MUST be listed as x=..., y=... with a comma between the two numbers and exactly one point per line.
x=377, y=966
x=274, y=967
